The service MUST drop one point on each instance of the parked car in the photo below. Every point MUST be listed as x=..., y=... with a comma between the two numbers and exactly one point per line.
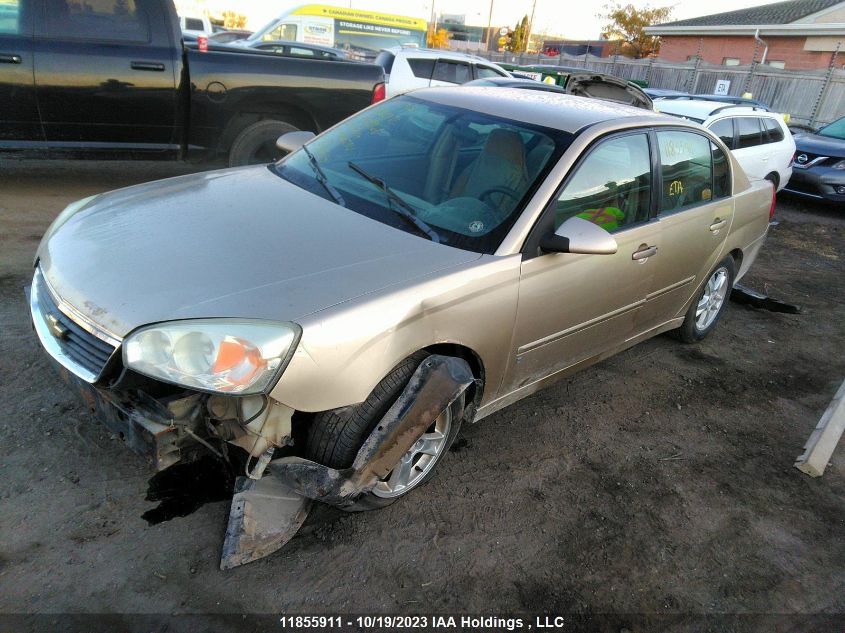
x=421, y=265
x=557, y=73
x=674, y=94
x=297, y=49
x=228, y=36
x=819, y=167
x=759, y=139
x=409, y=68
x=594, y=85
x=152, y=97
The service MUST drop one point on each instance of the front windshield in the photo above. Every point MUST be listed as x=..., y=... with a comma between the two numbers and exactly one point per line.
x=834, y=130
x=463, y=175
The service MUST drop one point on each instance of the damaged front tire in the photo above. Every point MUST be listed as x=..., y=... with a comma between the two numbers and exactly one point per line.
x=335, y=438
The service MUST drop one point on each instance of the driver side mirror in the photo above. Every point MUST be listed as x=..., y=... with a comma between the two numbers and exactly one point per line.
x=292, y=141
x=578, y=235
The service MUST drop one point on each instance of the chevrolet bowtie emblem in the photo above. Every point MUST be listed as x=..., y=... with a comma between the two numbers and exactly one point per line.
x=55, y=326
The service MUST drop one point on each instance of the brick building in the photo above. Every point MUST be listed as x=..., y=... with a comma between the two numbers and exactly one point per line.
x=797, y=34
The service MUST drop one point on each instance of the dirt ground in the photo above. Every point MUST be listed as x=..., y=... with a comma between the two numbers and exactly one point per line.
x=659, y=481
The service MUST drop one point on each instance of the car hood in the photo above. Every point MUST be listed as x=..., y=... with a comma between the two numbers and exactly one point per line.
x=232, y=243
x=820, y=145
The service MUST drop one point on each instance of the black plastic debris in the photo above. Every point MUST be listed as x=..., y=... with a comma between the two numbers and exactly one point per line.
x=749, y=297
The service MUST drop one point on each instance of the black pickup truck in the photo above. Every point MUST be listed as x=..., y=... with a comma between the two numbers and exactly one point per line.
x=113, y=79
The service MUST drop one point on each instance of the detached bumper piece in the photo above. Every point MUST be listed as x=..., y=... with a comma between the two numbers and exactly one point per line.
x=265, y=514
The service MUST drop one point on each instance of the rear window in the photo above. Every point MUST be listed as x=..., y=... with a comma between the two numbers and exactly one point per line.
x=749, y=132
x=118, y=20
x=385, y=60
x=193, y=24
x=775, y=132
x=422, y=68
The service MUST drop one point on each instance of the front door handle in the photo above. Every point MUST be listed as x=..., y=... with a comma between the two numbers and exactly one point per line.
x=718, y=225
x=644, y=252
x=10, y=59
x=154, y=66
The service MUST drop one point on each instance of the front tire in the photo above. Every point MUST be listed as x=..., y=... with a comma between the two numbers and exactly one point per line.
x=335, y=437
x=709, y=304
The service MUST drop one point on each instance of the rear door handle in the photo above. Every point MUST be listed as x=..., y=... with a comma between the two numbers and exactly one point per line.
x=644, y=252
x=10, y=59
x=154, y=66
x=718, y=224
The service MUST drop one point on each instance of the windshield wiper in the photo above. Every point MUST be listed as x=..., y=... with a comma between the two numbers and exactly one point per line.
x=405, y=209
x=321, y=178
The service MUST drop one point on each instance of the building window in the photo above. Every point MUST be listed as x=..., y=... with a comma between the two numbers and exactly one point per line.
x=730, y=61
x=776, y=64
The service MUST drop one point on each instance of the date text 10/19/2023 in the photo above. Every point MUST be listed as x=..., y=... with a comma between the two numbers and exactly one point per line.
x=465, y=622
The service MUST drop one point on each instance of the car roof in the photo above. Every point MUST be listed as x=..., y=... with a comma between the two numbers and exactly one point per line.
x=702, y=109
x=549, y=109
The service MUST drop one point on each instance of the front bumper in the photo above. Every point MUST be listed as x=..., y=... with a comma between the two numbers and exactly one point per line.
x=818, y=183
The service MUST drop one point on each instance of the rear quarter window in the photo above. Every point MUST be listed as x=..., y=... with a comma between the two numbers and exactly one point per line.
x=774, y=130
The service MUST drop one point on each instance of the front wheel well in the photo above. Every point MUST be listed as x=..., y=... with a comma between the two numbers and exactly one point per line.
x=260, y=112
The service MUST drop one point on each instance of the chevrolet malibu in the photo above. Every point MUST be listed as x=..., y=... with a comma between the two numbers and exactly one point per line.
x=326, y=323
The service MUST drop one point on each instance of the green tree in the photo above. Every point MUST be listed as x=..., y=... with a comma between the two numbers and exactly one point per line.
x=626, y=24
x=519, y=37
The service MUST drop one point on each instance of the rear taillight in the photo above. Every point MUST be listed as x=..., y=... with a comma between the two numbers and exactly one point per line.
x=378, y=93
x=774, y=201
x=202, y=43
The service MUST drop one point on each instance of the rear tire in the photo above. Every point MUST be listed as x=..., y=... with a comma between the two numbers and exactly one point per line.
x=256, y=144
x=709, y=303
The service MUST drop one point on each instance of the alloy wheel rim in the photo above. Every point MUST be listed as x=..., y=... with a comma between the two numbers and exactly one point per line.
x=712, y=299
x=418, y=461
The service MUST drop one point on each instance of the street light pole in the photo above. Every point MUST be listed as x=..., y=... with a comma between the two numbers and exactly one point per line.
x=489, y=24
x=530, y=26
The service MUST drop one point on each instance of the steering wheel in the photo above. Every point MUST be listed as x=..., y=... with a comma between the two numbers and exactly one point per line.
x=511, y=193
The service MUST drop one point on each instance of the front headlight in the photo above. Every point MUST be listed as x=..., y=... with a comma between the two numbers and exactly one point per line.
x=839, y=165
x=234, y=356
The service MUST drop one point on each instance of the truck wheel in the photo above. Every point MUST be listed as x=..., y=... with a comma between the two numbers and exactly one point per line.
x=256, y=144
x=336, y=436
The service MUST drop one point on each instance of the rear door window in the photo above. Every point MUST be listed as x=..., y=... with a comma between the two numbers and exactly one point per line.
x=749, y=132
x=775, y=132
x=686, y=168
x=118, y=20
x=451, y=72
x=724, y=129
x=421, y=67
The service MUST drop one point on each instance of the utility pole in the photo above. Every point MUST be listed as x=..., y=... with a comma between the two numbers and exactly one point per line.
x=530, y=26
x=489, y=24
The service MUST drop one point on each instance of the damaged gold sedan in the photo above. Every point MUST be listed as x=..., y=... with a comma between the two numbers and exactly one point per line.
x=328, y=322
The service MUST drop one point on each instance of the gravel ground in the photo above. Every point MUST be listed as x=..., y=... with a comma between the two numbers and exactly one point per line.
x=659, y=481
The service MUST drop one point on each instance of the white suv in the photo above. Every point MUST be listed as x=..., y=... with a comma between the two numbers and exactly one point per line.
x=408, y=68
x=759, y=139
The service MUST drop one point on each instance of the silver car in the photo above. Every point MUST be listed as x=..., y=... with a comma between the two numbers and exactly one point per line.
x=329, y=321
